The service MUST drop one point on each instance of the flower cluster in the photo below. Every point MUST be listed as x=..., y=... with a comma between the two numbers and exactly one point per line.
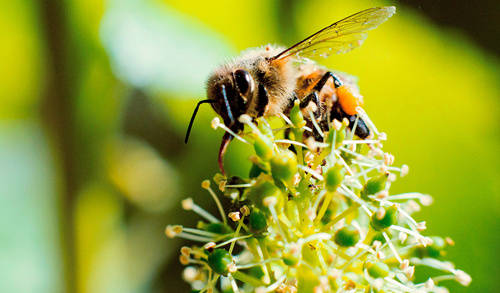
x=314, y=215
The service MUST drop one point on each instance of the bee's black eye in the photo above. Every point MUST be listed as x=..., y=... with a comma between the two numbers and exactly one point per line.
x=243, y=80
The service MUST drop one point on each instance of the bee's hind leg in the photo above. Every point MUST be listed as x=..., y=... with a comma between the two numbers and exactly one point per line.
x=362, y=130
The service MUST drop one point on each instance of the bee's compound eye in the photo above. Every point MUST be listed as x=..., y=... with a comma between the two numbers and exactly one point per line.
x=244, y=81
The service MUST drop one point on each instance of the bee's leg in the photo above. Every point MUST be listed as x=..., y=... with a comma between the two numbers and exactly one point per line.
x=317, y=88
x=312, y=97
x=321, y=83
x=362, y=131
x=262, y=100
x=290, y=104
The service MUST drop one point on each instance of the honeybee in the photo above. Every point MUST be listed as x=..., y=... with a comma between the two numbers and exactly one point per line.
x=266, y=81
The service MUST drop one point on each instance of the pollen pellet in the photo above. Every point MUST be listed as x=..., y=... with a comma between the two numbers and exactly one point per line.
x=348, y=100
x=284, y=165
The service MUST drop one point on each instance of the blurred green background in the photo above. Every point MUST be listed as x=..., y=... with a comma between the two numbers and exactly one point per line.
x=95, y=97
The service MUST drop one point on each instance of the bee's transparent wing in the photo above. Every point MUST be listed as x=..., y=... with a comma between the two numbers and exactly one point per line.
x=341, y=36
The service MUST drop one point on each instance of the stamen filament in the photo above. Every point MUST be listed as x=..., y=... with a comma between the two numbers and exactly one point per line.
x=315, y=124
x=291, y=142
x=218, y=203
x=391, y=246
x=193, y=237
x=201, y=212
x=227, y=129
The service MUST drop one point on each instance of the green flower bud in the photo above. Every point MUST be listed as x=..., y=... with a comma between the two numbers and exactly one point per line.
x=296, y=116
x=376, y=269
x=290, y=260
x=263, y=189
x=263, y=147
x=219, y=260
x=255, y=171
x=435, y=250
x=380, y=221
x=374, y=185
x=257, y=222
x=327, y=217
x=333, y=178
x=265, y=129
x=339, y=138
x=379, y=237
x=347, y=236
x=256, y=272
x=291, y=255
x=339, y=135
x=284, y=165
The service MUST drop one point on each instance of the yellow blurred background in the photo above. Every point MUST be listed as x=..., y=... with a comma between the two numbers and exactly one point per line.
x=95, y=97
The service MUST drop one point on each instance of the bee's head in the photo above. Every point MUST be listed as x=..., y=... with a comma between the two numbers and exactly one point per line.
x=231, y=93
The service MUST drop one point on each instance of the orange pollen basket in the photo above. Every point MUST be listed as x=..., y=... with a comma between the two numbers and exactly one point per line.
x=348, y=101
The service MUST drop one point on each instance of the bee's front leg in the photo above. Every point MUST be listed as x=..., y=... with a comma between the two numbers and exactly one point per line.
x=314, y=95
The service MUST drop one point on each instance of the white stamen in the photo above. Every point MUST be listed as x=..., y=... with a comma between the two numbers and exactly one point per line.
x=353, y=131
x=407, y=231
x=221, y=125
x=233, y=284
x=206, y=185
x=234, y=239
x=347, y=192
x=312, y=172
x=188, y=204
x=250, y=265
x=275, y=285
x=245, y=185
x=291, y=142
x=317, y=236
x=200, y=232
x=367, y=120
x=287, y=120
x=391, y=246
x=399, y=285
x=364, y=141
x=193, y=237
x=315, y=124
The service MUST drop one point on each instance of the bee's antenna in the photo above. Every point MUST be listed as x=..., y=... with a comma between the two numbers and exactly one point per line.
x=194, y=115
x=228, y=107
